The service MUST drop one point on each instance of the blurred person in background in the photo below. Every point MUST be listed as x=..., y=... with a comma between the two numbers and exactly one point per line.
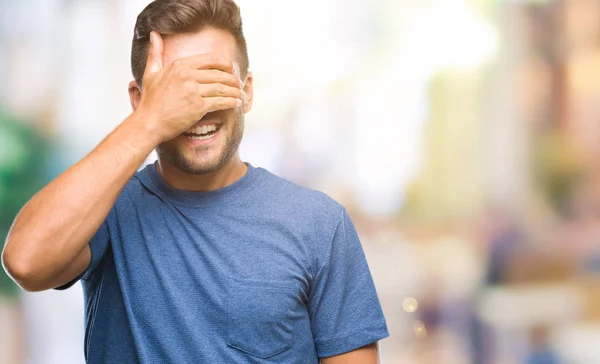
x=199, y=257
x=542, y=351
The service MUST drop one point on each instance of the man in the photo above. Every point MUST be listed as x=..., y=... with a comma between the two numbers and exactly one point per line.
x=200, y=257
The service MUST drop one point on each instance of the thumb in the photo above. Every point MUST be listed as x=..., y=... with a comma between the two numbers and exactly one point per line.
x=155, y=53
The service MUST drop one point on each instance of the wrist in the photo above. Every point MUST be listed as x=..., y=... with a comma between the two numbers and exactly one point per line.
x=142, y=132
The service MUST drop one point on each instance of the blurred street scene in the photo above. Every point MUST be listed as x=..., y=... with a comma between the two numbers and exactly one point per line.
x=462, y=135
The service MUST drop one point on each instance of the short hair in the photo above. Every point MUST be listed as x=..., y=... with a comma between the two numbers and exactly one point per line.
x=185, y=16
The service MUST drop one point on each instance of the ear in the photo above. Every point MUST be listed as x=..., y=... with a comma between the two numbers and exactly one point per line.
x=135, y=95
x=249, y=90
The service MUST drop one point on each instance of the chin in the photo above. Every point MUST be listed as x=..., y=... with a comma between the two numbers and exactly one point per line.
x=201, y=165
x=196, y=167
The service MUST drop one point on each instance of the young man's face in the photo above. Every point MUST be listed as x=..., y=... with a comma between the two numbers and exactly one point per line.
x=198, y=155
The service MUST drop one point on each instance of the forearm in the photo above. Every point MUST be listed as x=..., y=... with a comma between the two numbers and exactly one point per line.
x=364, y=355
x=54, y=227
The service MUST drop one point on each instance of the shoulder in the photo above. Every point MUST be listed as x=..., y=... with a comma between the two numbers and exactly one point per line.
x=300, y=199
x=313, y=215
x=137, y=190
x=136, y=185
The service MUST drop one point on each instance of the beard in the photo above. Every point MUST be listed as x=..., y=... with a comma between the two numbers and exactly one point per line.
x=200, y=160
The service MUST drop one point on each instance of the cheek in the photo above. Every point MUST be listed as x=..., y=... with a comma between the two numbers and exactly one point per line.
x=230, y=118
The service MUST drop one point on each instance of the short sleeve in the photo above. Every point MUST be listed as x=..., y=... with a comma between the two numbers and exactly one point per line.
x=98, y=246
x=343, y=305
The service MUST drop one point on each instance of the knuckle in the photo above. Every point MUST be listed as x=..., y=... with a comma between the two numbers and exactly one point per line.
x=183, y=72
x=221, y=90
x=177, y=64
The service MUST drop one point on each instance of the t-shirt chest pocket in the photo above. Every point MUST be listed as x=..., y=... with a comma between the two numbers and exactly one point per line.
x=262, y=316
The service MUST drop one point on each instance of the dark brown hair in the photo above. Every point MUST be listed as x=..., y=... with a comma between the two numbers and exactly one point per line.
x=185, y=16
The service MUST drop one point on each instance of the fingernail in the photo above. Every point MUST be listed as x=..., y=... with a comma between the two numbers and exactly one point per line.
x=239, y=102
x=244, y=96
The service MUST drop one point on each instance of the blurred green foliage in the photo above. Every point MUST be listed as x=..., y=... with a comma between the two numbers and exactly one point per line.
x=557, y=170
x=24, y=154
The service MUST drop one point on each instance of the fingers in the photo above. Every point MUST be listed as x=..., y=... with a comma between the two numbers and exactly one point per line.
x=155, y=54
x=215, y=76
x=206, y=61
x=221, y=103
x=219, y=90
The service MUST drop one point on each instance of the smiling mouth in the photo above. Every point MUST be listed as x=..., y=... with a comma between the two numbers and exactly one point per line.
x=202, y=132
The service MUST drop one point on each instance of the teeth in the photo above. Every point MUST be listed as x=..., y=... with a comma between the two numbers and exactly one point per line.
x=203, y=137
x=202, y=129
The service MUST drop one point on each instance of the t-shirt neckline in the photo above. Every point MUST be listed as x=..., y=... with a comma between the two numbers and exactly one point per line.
x=204, y=198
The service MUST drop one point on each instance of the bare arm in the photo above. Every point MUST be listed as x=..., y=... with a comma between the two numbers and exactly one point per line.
x=364, y=355
x=54, y=227
x=47, y=245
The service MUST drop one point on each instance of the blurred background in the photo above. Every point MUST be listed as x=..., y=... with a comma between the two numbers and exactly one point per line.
x=462, y=135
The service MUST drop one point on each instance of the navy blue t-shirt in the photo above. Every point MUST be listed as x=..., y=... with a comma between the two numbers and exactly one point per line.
x=261, y=271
